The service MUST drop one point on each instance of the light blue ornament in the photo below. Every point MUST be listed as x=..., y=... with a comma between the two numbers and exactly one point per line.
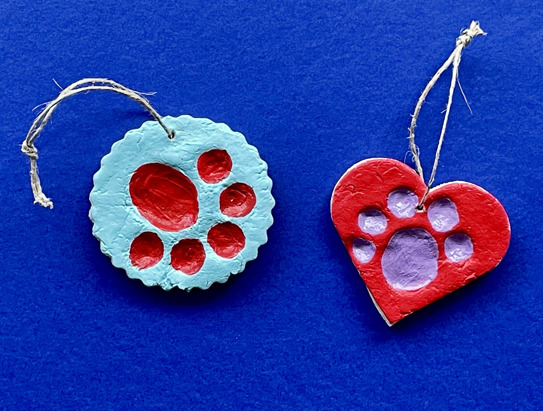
x=231, y=203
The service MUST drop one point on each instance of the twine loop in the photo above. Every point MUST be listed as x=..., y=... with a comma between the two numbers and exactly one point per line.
x=81, y=86
x=462, y=42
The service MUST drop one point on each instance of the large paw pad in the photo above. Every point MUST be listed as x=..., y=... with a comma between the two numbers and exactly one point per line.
x=186, y=212
x=407, y=257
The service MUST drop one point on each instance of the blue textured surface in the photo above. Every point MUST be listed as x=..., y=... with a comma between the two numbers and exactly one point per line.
x=116, y=227
x=315, y=87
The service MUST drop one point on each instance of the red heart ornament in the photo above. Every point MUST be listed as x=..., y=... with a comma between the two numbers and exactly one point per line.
x=409, y=258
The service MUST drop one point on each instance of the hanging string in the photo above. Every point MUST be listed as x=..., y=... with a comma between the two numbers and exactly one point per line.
x=81, y=86
x=454, y=59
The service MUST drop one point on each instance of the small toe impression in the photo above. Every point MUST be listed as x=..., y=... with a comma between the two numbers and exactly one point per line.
x=372, y=221
x=410, y=259
x=458, y=247
x=443, y=215
x=402, y=203
x=226, y=239
x=214, y=166
x=146, y=250
x=188, y=256
x=363, y=250
x=238, y=200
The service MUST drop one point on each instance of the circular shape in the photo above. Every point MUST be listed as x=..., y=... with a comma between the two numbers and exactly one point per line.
x=458, y=247
x=363, y=250
x=402, y=203
x=410, y=259
x=188, y=256
x=237, y=200
x=372, y=221
x=146, y=250
x=146, y=160
x=164, y=196
x=443, y=215
x=226, y=239
x=214, y=166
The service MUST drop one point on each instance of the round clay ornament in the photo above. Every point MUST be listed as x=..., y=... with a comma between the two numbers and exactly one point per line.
x=196, y=207
x=183, y=208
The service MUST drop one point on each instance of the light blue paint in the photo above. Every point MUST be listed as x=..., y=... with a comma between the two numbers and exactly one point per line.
x=117, y=221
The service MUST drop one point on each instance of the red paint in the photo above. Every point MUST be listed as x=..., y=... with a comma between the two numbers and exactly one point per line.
x=188, y=255
x=237, y=200
x=214, y=166
x=482, y=218
x=164, y=196
x=146, y=250
x=226, y=239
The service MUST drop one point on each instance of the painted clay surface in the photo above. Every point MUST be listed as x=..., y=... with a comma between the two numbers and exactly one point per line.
x=409, y=258
x=186, y=212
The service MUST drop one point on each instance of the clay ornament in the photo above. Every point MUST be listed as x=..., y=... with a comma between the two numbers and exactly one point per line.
x=410, y=258
x=412, y=243
x=180, y=202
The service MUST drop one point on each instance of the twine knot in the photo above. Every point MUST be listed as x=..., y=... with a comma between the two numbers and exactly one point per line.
x=29, y=150
x=469, y=34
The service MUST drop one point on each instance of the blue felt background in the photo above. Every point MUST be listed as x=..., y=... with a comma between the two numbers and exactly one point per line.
x=316, y=86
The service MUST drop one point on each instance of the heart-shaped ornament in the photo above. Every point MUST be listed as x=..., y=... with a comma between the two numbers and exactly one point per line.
x=410, y=257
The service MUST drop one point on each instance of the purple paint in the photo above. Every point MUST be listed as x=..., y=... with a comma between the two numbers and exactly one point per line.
x=372, y=221
x=410, y=259
x=363, y=250
x=443, y=215
x=402, y=203
x=458, y=247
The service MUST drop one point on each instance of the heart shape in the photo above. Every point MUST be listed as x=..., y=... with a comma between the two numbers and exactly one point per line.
x=410, y=258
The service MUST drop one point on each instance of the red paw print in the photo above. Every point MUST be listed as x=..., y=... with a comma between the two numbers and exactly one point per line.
x=168, y=199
